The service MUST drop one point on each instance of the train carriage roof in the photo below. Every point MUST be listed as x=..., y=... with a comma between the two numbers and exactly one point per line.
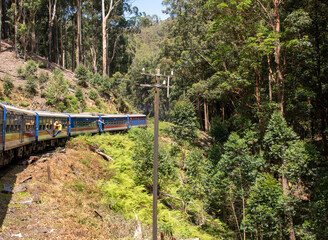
x=51, y=114
x=137, y=115
x=18, y=110
x=83, y=115
x=114, y=116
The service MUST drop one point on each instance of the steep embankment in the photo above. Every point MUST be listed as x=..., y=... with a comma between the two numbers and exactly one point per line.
x=46, y=89
x=57, y=197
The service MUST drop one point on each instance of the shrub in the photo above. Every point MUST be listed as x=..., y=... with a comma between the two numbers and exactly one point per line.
x=31, y=85
x=61, y=107
x=43, y=78
x=24, y=104
x=42, y=65
x=81, y=74
x=57, y=88
x=218, y=131
x=30, y=68
x=79, y=95
x=93, y=95
x=96, y=79
x=71, y=103
x=8, y=85
x=184, y=120
x=20, y=71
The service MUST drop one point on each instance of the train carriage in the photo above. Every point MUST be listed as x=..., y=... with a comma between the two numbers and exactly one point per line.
x=137, y=120
x=23, y=131
x=83, y=123
x=17, y=132
x=19, y=127
x=46, y=125
x=114, y=122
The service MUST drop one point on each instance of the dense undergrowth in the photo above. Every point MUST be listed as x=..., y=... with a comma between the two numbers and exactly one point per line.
x=129, y=191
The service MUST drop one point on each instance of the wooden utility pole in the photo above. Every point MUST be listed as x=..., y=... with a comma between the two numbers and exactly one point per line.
x=156, y=122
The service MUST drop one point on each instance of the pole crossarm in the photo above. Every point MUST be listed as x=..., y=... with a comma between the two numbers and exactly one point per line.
x=155, y=85
x=157, y=75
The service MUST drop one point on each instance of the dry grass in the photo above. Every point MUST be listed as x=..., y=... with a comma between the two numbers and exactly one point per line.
x=69, y=204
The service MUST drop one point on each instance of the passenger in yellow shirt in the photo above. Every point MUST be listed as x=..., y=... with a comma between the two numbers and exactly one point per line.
x=59, y=127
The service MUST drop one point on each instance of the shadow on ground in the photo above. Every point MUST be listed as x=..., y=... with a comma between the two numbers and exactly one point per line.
x=8, y=176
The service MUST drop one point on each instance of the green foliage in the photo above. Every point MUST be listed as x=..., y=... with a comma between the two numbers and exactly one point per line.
x=30, y=68
x=184, y=120
x=31, y=86
x=42, y=65
x=218, y=131
x=61, y=107
x=198, y=171
x=20, y=70
x=43, y=78
x=124, y=195
x=93, y=95
x=96, y=79
x=101, y=104
x=265, y=208
x=71, y=104
x=81, y=73
x=143, y=160
x=57, y=88
x=79, y=95
x=24, y=104
x=7, y=85
x=285, y=153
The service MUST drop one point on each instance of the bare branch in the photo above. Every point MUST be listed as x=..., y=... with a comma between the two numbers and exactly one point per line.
x=111, y=7
x=267, y=13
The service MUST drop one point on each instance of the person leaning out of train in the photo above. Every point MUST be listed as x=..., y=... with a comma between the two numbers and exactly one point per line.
x=99, y=124
x=59, y=127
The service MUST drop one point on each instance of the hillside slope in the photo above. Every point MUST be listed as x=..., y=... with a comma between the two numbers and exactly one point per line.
x=66, y=206
x=13, y=68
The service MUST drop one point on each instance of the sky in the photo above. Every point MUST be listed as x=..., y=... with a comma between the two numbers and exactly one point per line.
x=150, y=7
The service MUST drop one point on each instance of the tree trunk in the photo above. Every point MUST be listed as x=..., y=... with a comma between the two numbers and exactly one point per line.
x=93, y=48
x=17, y=17
x=25, y=34
x=206, y=116
x=4, y=14
x=94, y=54
x=234, y=212
x=62, y=53
x=56, y=41
x=320, y=98
x=199, y=113
x=104, y=31
x=113, y=54
x=32, y=19
x=65, y=47
x=271, y=78
x=52, y=14
x=72, y=54
x=104, y=39
x=78, y=33
x=49, y=33
x=277, y=54
x=258, y=93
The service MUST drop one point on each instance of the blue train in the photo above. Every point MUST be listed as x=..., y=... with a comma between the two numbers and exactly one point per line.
x=23, y=131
